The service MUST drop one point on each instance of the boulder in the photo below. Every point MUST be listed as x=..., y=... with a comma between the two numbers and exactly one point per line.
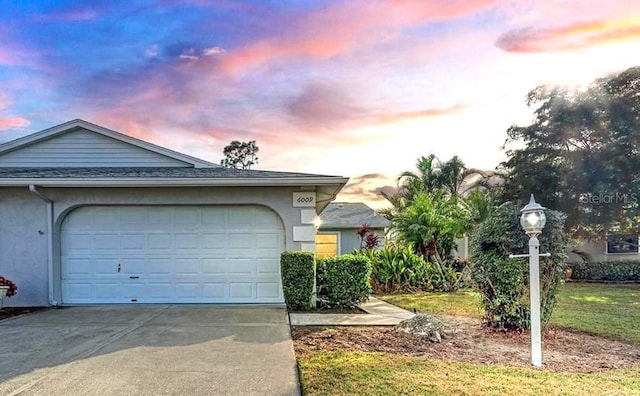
x=427, y=326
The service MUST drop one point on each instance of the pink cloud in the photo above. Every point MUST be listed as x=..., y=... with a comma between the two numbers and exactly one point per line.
x=73, y=15
x=12, y=55
x=345, y=27
x=12, y=122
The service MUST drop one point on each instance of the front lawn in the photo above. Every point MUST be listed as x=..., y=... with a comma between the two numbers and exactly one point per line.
x=475, y=361
x=371, y=373
x=608, y=310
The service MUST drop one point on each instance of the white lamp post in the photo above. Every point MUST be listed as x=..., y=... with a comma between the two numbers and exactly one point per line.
x=533, y=221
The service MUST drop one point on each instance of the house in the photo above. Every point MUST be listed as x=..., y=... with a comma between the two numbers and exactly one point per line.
x=337, y=227
x=89, y=215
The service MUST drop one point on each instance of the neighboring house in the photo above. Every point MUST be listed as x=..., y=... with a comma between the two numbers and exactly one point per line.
x=338, y=224
x=89, y=215
x=611, y=247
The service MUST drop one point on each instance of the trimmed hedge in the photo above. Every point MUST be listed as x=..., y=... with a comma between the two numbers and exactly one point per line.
x=344, y=281
x=617, y=271
x=297, y=273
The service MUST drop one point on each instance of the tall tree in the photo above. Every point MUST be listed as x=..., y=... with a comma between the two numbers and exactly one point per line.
x=581, y=154
x=240, y=155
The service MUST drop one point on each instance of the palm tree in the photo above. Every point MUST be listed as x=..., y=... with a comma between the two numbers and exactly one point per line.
x=430, y=223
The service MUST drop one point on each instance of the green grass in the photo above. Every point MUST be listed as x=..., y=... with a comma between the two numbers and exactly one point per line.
x=462, y=302
x=603, y=309
x=366, y=373
x=609, y=310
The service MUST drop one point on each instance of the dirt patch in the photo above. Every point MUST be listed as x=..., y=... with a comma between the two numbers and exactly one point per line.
x=562, y=350
x=8, y=312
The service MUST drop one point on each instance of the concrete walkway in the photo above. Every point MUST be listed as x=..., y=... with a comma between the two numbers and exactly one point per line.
x=378, y=313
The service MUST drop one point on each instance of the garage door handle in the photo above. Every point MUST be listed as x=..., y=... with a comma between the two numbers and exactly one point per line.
x=134, y=277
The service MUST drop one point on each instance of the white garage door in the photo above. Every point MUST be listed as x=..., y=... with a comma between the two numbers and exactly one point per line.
x=171, y=254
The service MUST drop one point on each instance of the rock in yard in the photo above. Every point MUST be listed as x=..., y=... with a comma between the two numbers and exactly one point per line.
x=425, y=325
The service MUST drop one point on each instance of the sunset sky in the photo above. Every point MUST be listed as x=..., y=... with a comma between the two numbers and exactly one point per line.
x=357, y=88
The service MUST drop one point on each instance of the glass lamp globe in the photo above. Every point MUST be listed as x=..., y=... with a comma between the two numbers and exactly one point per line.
x=532, y=219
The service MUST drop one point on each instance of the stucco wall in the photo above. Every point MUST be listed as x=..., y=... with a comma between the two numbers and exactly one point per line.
x=23, y=215
x=23, y=246
x=349, y=240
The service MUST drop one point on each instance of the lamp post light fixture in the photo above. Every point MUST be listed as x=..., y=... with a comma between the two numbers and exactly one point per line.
x=533, y=221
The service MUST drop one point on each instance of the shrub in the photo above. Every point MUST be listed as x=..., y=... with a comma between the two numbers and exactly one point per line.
x=297, y=273
x=619, y=271
x=399, y=269
x=344, y=281
x=13, y=289
x=503, y=283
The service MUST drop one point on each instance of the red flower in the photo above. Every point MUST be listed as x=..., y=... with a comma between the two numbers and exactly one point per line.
x=363, y=230
x=13, y=289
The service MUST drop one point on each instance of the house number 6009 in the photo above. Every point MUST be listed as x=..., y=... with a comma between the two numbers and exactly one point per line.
x=304, y=199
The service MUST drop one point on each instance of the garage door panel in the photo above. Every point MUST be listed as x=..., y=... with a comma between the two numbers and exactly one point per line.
x=187, y=241
x=214, y=241
x=214, y=266
x=76, y=241
x=158, y=290
x=80, y=291
x=131, y=266
x=104, y=267
x=106, y=242
x=215, y=291
x=104, y=291
x=240, y=241
x=265, y=217
x=133, y=241
x=187, y=218
x=267, y=240
x=241, y=267
x=189, y=290
x=187, y=266
x=133, y=290
x=241, y=217
x=241, y=291
x=267, y=290
x=102, y=217
x=159, y=266
x=176, y=253
x=215, y=219
x=159, y=216
x=267, y=266
x=159, y=241
x=133, y=218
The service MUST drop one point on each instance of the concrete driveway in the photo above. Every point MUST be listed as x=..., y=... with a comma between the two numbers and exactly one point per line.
x=149, y=350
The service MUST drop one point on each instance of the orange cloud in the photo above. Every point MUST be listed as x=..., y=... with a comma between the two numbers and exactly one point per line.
x=410, y=115
x=569, y=37
x=367, y=188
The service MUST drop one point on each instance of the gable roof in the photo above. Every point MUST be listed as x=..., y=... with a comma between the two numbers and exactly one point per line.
x=78, y=124
x=351, y=215
x=200, y=173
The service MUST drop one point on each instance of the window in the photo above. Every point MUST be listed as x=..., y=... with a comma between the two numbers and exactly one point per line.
x=326, y=245
x=622, y=244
